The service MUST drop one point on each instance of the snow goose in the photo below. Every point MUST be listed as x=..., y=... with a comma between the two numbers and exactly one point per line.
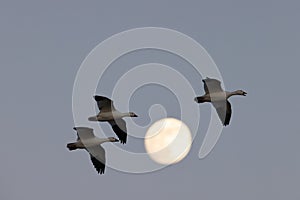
x=219, y=98
x=109, y=114
x=88, y=141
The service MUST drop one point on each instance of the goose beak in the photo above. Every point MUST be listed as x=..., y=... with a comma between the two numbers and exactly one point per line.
x=116, y=140
x=244, y=93
x=195, y=99
x=135, y=115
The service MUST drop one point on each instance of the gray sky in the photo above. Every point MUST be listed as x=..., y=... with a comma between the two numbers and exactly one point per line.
x=256, y=46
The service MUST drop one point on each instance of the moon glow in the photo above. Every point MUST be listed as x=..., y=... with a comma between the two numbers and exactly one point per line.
x=168, y=141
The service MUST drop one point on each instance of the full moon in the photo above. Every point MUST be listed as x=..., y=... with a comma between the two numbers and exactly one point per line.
x=168, y=141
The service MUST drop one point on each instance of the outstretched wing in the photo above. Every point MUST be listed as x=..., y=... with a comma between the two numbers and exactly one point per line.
x=224, y=111
x=104, y=104
x=212, y=85
x=84, y=133
x=97, y=154
x=119, y=127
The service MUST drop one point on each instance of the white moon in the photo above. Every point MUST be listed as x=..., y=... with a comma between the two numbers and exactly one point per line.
x=168, y=141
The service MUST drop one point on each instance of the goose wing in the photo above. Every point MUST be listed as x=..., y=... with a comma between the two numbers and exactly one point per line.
x=224, y=111
x=104, y=104
x=212, y=85
x=84, y=133
x=97, y=155
x=119, y=127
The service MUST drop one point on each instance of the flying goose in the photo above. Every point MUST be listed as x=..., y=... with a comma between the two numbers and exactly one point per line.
x=109, y=114
x=219, y=98
x=88, y=141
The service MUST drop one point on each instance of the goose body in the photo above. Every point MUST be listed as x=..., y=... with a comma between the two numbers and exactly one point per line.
x=88, y=141
x=109, y=114
x=219, y=98
x=106, y=116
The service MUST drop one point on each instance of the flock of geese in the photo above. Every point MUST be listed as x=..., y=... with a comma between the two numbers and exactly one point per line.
x=88, y=141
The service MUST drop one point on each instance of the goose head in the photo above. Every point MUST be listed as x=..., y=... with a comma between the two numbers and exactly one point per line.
x=112, y=139
x=132, y=114
x=93, y=118
x=240, y=92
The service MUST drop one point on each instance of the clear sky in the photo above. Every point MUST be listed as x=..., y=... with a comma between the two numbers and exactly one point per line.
x=255, y=45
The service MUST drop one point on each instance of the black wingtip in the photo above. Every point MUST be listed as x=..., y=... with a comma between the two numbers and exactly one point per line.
x=226, y=123
x=122, y=141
